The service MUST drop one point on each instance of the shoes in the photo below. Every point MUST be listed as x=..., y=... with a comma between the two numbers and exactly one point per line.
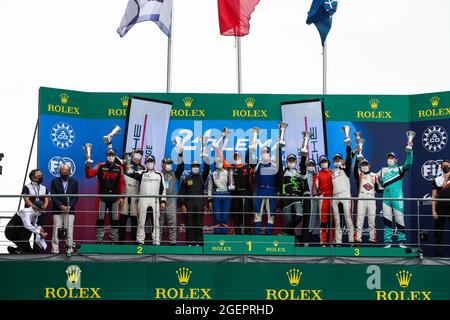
x=387, y=245
x=12, y=250
x=402, y=245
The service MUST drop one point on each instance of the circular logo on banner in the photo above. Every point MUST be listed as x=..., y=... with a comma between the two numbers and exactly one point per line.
x=62, y=135
x=431, y=169
x=434, y=138
x=56, y=162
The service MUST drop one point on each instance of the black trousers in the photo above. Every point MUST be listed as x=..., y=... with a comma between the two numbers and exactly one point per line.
x=242, y=213
x=439, y=228
x=19, y=235
x=194, y=223
x=123, y=228
x=294, y=221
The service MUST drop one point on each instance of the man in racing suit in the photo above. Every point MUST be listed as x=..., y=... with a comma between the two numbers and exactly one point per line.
x=171, y=182
x=131, y=204
x=314, y=218
x=367, y=186
x=110, y=181
x=341, y=189
x=323, y=187
x=392, y=179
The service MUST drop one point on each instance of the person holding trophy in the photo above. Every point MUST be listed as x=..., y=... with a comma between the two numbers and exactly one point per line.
x=367, y=186
x=295, y=184
x=392, y=179
x=341, y=189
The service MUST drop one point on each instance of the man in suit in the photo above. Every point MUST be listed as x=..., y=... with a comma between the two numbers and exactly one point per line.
x=64, y=207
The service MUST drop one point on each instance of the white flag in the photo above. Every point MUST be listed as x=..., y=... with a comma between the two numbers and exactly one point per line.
x=158, y=11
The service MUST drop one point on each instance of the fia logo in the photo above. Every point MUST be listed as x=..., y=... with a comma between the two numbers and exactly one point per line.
x=431, y=169
x=56, y=162
x=62, y=135
x=434, y=138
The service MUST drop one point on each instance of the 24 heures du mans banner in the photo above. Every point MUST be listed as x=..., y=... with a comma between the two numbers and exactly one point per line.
x=68, y=119
x=222, y=281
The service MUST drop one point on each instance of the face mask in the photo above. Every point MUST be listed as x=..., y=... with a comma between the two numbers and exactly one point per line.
x=168, y=167
x=266, y=157
x=446, y=169
x=195, y=170
x=40, y=180
x=391, y=162
x=324, y=165
x=219, y=165
x=310, y=169
x=365, y=169
x=65, y=177
x=111, y=159
x=150, y=165
x=137, y=157
x=238, y=162
x=337, y=164
x=291, y=165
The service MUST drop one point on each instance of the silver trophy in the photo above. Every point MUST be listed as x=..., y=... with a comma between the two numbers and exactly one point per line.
x=177, y=143
x=410, y=135
x=256, y=132
x=231, y=185
x=306, y=137
x=127, y=158
x=347, y=141
x=282, y=126
x=216, y=144
x=358, y=135
x=115, y=131
x=360, y=143
x=204, y=140
x=87, y=147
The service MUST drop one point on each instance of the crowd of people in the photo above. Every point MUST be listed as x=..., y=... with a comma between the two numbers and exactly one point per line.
x=298, y=190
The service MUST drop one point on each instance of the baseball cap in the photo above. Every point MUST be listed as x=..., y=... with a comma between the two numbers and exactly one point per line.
x=392, y=154
x=167, y=160
x=150, y=158
x=291, y=156
x=337, y=155
x=111, y=151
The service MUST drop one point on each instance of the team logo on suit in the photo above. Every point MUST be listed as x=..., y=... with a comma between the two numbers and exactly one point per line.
x=434, y=138
x=62, y=135
x=56, y=162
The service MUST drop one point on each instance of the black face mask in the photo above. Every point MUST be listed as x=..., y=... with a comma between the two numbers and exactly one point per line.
x=446, y=169
x=40, y=180
x=64, y=177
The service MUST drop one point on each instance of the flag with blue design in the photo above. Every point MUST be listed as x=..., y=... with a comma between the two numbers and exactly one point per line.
x=320, y=14
x=158, y=11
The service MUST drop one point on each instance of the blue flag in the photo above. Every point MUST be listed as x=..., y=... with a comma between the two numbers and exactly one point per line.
x=320, y=14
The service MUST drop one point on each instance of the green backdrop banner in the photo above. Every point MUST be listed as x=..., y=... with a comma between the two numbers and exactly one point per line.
x=222, y=281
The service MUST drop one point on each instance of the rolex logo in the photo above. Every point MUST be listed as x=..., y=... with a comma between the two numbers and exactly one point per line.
x=73, y=273
x=374, y=103
x=183, y=275
x=403, y=278
x=250, y=102
x=275, y=244
x=434, y=101
x=294, y=276
x=64, y=98
x=222, y=242
x=125, y=101
x=188, y=102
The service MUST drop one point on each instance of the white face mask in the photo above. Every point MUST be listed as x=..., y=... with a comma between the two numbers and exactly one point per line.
x=266, y=157
x=168, y=167
x=365, y=169
x=238, y=162
x=219, y=165
x=324, y=165
x=111, y=158
x=291, y=165
x=391, y=162
x=311, y=169
x=150, y=165
x=337, y=164
x=137, y=157
x=195, y=170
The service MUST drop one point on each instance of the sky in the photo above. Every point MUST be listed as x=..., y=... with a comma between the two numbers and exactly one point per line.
x=374, y=47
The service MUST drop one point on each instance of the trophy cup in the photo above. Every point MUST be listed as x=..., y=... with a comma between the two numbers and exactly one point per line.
x=282, y=126
x=87, y=147
x=216, y=144
x=358, y=135
x=347, y=141
x=231, y=186
x=410, y=135
x=204, y=140
x=115, y=131
x=127, y=158
x=256, y=132
x=360, y=142
x=306, y=137
x=177, y=143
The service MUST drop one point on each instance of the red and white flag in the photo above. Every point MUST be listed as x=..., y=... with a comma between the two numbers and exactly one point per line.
x=234, y=16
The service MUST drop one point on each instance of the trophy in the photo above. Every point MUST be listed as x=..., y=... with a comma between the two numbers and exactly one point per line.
x=410, y=135
x=358, y=135
x=231, y=185
x=127, y=158
x=256, y=132
x=204, y=140
x=87, y=147
x=216, y=144
x=282, y=126
x=360, y=142
x=306, y=137
x=347, y=141
x=177, y=143
x=115, y=131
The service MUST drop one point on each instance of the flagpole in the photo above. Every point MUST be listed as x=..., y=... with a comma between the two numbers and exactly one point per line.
x=169, y=54
x=324, y=62
x=238, y=64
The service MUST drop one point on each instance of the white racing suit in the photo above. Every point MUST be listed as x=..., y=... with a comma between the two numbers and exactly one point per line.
x=341, y=189
x=152, y=184
x=367, y=184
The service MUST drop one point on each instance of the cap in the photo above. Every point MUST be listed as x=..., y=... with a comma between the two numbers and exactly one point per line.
x=311, y=162
x=337, y=155
x=138, y=150
x=392, y=154
x=150, y=158
x=167, y=161
x=323, y=158
x=265, y=149
x=365, y=161
x=111, y=151
x=291, y=156
x=195, y=163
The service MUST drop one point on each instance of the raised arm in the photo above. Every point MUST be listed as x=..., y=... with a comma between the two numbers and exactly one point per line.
x=356, y=173
x=348, y=161
x=180, y=167
x=408, y=163
x=303, y=165
x=206, y=170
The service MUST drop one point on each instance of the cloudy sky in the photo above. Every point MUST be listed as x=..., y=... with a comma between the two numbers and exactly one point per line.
x=375, y=47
